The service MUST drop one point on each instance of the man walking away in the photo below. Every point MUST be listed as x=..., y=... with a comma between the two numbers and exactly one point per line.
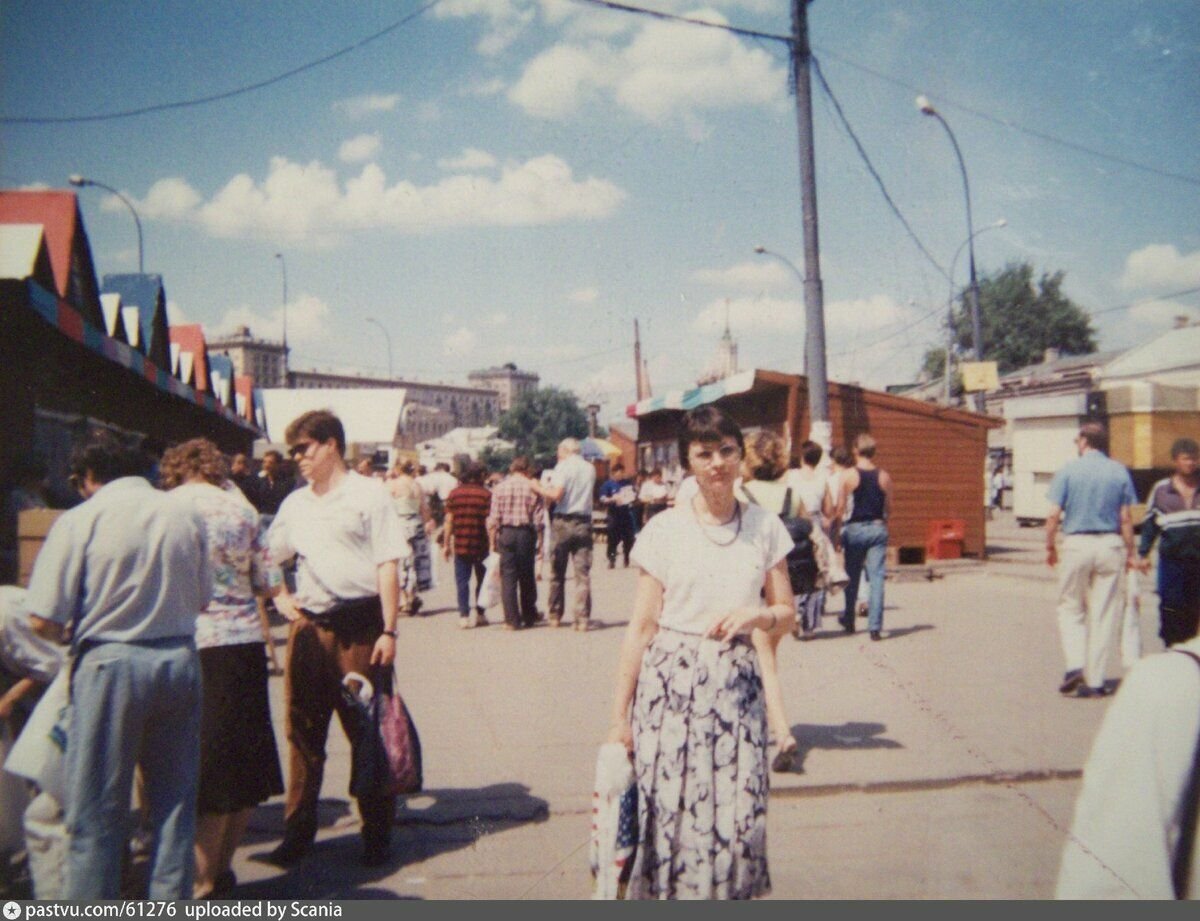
x=514, y=523
x=345, y=534
x=1091, y=499
x=865, y=535
x=467, y=509
x=124, y=576
x=617, y=496
x=1174, y=514
x=571, y=490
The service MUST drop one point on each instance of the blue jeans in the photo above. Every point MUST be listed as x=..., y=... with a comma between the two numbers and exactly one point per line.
x=1178, y=599
x=133, y=704
x=463, y=567
x=866, y=545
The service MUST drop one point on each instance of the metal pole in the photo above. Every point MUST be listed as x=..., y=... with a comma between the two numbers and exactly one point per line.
x=973, y=290
x=820, y=430
x=81, y=182
x=763, y=251
x=970, y=241
x=388, y=337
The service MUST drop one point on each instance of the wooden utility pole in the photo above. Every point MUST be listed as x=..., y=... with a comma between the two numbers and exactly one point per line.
x=820, y=430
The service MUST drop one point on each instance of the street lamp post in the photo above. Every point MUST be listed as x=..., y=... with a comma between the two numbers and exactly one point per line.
x=763, y=251
x=388, y=337
x=950, y=300
x=81, y=182
x=283, y=271
x=926, y=108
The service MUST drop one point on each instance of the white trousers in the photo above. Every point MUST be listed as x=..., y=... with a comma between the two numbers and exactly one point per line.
x=1091, y=595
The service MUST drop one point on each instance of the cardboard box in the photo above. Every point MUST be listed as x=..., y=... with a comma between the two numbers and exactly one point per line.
x=32, y=527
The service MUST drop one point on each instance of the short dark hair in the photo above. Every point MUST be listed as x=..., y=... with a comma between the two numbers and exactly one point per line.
x=473, y=473
x=864, y=445
x=617, y=466
x=706, y=425
x=1095, y=434
x=106, y=457
x=520, y=464
x=1185, y=446
x=840, y=456
x=273, y=453
x=320, y=425
x=811, y=452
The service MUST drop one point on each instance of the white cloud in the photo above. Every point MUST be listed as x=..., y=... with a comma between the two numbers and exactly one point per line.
x=359, y=107
x=470, y=161
x=168, y=199
x=307, y=320
x=308, y=203
x=863, y=315
x=506, y=20
x=751, y=313
x=461, y=342
x=584, y=296
x=666, y=73
x=1161, y=265
x=761, y=275
x=359, y=149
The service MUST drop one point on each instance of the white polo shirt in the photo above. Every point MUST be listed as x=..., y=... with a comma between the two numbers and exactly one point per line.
x=577, y=477
x=340, y=538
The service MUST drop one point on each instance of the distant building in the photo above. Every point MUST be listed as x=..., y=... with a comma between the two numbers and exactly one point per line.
x=726, y=363
x=508, y=381
x=261, y=359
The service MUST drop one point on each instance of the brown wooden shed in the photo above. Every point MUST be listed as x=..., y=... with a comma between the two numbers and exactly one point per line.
x=936, y=455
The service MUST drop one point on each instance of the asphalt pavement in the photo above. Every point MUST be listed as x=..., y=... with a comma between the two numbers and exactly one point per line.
x=938, y=763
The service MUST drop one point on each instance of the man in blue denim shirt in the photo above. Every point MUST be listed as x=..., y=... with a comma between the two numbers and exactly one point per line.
x=1091, y=497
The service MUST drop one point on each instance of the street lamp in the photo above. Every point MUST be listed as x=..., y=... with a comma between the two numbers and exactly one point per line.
x=81, y=182
x=763, y=251
x=388, y=337
x=283, y=270
x=926, y=108
x=950, y=300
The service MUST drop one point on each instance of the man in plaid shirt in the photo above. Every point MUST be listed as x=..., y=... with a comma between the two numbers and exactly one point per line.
x=515, y=525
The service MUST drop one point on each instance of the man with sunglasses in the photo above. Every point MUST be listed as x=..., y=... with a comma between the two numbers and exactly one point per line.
x=346, y=537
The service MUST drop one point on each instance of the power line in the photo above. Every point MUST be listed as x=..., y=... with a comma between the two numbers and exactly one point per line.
x=217, y=97
x=837, y=106
x=1007, y=123
x=687, y=20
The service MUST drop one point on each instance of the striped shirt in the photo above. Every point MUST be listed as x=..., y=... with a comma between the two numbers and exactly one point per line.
x=1176, y=521
x=515, y=504
x=468, y=505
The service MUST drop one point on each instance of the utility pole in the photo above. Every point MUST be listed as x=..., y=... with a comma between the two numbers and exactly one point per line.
x=637, y=363
x=820, y=430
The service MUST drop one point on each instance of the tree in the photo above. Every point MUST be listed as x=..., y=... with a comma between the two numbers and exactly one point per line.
x=496, y=459
x=540, y=419
x=1020, y=321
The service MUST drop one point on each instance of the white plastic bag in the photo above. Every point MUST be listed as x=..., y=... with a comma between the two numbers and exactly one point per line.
x=489, y=591
x=1131, y=628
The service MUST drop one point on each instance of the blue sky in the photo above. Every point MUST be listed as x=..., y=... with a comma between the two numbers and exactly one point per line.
x=500, y=180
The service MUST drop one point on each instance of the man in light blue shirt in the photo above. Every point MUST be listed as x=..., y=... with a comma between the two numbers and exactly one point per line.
x=123, y=576
x=571, y=489
x=1091, y=499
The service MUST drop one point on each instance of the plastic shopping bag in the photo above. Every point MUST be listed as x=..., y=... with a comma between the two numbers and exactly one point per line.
x=489, y=591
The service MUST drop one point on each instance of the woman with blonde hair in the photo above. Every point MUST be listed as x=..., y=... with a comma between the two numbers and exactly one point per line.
x=765, y=483
x=239, y=763
x=689, y=701
x=416, y=569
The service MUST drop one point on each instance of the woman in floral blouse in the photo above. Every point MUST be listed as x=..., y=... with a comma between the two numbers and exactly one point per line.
x=239, y=763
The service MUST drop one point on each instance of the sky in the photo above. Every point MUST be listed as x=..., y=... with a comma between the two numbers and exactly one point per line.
x=502, y=180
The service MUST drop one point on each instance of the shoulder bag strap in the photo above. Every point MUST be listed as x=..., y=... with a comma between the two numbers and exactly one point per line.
x=1182, y=865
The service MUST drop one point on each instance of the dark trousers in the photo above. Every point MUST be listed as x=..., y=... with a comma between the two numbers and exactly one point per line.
x=518, y=584
x=620, y=531
x=463, y=567
x=1178, y=599
x=573, y=543
x=317, y=660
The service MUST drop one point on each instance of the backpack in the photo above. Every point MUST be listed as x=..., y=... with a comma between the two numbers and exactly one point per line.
x=802, y=558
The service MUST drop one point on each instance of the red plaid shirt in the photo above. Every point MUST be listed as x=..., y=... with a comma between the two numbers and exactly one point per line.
x=515, y=504
x=468, y=505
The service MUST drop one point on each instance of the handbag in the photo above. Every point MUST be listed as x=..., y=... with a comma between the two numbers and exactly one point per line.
x=614, y=838
x=386, y=759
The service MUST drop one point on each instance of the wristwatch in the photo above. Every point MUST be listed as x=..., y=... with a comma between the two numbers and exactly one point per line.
x=391, y=633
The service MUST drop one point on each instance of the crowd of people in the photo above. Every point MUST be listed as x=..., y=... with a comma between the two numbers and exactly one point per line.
x=156, y=601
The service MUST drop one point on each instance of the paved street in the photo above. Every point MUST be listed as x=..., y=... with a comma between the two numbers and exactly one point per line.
x=940, y=763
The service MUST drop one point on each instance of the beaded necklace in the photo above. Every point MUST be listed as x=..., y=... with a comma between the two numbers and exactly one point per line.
x=737, y=515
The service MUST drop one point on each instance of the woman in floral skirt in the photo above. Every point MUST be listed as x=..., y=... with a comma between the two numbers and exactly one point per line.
x=689, y=702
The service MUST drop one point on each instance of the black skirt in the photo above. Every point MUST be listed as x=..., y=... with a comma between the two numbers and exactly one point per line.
x=239, y=763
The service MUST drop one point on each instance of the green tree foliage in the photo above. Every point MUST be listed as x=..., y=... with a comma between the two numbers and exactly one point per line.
x=542, y=418
x=495, y=459
x=1020, y=320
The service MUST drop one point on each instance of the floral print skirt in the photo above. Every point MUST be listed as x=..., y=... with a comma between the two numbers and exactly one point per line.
x=700, y=755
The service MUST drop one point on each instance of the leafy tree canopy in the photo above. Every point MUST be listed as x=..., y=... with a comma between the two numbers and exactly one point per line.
x=1020, y=320
x=542, y=418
